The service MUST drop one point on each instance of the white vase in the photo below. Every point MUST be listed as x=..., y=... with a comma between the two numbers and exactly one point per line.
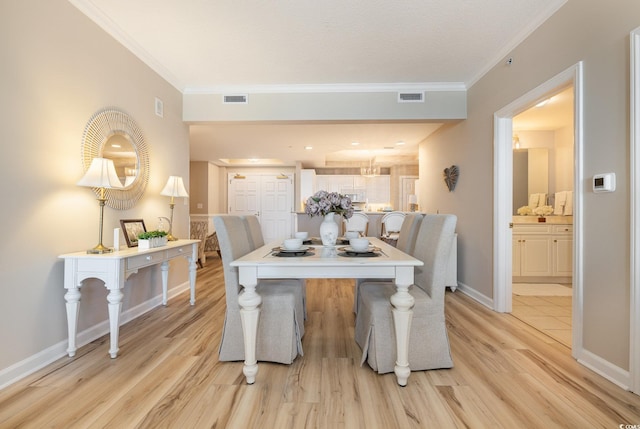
x=329, y=230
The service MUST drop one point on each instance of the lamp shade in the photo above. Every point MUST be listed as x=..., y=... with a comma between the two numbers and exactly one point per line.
x=174, y=188
x=101, y=174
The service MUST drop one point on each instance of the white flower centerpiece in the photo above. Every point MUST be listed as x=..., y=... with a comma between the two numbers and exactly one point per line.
x=327, y=204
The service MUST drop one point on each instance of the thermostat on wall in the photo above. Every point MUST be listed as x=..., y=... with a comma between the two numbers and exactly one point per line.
x=605, y=182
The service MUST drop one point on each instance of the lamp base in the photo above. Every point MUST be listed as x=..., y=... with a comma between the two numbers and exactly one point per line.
x=99, y=249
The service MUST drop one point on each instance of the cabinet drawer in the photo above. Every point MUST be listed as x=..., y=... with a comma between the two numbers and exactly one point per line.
x=563, y=229
x=531, y=229
x=177, y=251
x=143, y=260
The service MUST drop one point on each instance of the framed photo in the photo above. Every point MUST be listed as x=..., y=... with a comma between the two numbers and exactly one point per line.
x=131, y=228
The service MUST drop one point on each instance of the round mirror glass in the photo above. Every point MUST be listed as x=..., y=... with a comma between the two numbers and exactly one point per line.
x=122, y=152
x=113, y=134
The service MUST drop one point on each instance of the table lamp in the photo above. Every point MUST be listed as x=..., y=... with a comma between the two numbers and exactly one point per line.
x=173, y=188
x=101, y=175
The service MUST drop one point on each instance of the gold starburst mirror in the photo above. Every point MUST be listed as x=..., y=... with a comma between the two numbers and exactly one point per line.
x=113, y=134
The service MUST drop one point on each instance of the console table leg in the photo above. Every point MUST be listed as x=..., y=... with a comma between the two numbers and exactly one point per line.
x=164, y=268
x=115, y=304
x=73, y=305
x=192, y=279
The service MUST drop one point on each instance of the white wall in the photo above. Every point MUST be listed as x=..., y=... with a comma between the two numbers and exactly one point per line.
x=58, y=69
x=596, y=33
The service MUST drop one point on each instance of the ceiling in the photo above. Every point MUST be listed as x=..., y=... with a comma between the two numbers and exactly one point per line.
x=229, y=46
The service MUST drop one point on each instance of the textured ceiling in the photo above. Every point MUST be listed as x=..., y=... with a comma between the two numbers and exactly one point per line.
x=217, y=46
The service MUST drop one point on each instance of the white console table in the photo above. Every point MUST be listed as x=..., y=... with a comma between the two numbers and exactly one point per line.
x=114, y=269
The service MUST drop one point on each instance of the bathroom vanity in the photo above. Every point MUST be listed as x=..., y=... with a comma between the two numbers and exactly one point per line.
x=542, y=251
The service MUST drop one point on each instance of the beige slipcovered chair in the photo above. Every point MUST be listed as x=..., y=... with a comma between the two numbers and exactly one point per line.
x=281, y=322
x=257, y=240
x=406, y=242
x=358, y=222
x=428, y=341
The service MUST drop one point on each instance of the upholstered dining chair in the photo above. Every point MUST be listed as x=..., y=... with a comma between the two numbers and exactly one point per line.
x=428, y=341
x=358, y=222
x=281, y=322
x=406, y=242
x=257, y=240
x=391, y=224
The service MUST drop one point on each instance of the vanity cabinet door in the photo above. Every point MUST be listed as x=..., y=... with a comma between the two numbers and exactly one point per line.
x=563, y=251
x=516, y=256
x=536, y=256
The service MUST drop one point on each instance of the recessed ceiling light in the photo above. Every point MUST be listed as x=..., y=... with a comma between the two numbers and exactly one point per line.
x=355, y=143
x=308, y=147
x=400, y=143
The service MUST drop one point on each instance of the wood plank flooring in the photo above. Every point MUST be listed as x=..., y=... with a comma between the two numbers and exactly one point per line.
x=506, y=375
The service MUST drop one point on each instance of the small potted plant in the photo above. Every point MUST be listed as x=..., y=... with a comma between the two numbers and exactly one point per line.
x=150, y=239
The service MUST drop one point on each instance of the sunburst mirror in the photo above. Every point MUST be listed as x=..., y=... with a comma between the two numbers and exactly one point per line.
x=112, y=133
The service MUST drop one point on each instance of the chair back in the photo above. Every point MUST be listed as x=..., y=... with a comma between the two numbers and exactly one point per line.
x=358, y=222
x=234, y=242
x=392, y=222
x=409, y=232
x=433, y=245
x=255, y=231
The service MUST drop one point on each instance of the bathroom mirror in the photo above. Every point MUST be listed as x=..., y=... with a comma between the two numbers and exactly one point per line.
x=112, y=133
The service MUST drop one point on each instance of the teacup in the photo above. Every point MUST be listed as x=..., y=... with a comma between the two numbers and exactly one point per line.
x=359, y=244
x=351, y=234
x=303, y=235
x=292, y=243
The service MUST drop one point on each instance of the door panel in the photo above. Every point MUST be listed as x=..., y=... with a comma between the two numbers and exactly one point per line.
x=268, y=196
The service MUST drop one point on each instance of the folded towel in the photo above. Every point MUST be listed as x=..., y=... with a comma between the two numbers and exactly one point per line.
x=568, y=207
x=561, y=200
x=542, y=200
x=534, y=200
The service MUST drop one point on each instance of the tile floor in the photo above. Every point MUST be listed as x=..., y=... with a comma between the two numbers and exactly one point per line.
x=548, y=314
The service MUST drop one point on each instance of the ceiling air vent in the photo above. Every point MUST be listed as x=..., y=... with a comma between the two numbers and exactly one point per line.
x=236, y=99
x=411, y=97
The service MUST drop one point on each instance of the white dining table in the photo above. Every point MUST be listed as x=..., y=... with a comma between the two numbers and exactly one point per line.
x=326, y=262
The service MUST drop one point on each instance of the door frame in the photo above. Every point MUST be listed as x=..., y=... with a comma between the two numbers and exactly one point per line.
x=502, y=190
x=634, y=190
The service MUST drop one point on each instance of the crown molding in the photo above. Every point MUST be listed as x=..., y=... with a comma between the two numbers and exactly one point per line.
x=329, y=88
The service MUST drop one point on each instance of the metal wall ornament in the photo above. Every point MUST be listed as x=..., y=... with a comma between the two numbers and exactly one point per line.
x=112, y=124
x=451, y=177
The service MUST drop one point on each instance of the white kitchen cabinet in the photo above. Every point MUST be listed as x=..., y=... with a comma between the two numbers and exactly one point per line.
x=377, y=190
x=542, y=250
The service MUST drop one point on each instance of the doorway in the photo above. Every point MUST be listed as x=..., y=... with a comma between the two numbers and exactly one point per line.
x=267, y=196
x=543, y=143
x=503, y=201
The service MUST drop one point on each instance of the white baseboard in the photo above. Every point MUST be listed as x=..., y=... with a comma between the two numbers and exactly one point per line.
x=614, y=374
x=475, y=295
x=43, y=358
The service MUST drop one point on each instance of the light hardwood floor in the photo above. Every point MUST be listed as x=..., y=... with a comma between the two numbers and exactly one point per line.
x=506, y=375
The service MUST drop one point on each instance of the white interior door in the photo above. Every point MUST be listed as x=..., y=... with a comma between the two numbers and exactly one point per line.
x=268, y=196
x=244, y=195
x=407, y=187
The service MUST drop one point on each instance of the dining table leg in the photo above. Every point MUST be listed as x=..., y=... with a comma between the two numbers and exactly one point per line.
x=249, y=301
x=402, y=303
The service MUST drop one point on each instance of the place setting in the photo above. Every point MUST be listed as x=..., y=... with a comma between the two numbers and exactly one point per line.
x=359, y=248
x=292, y=247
